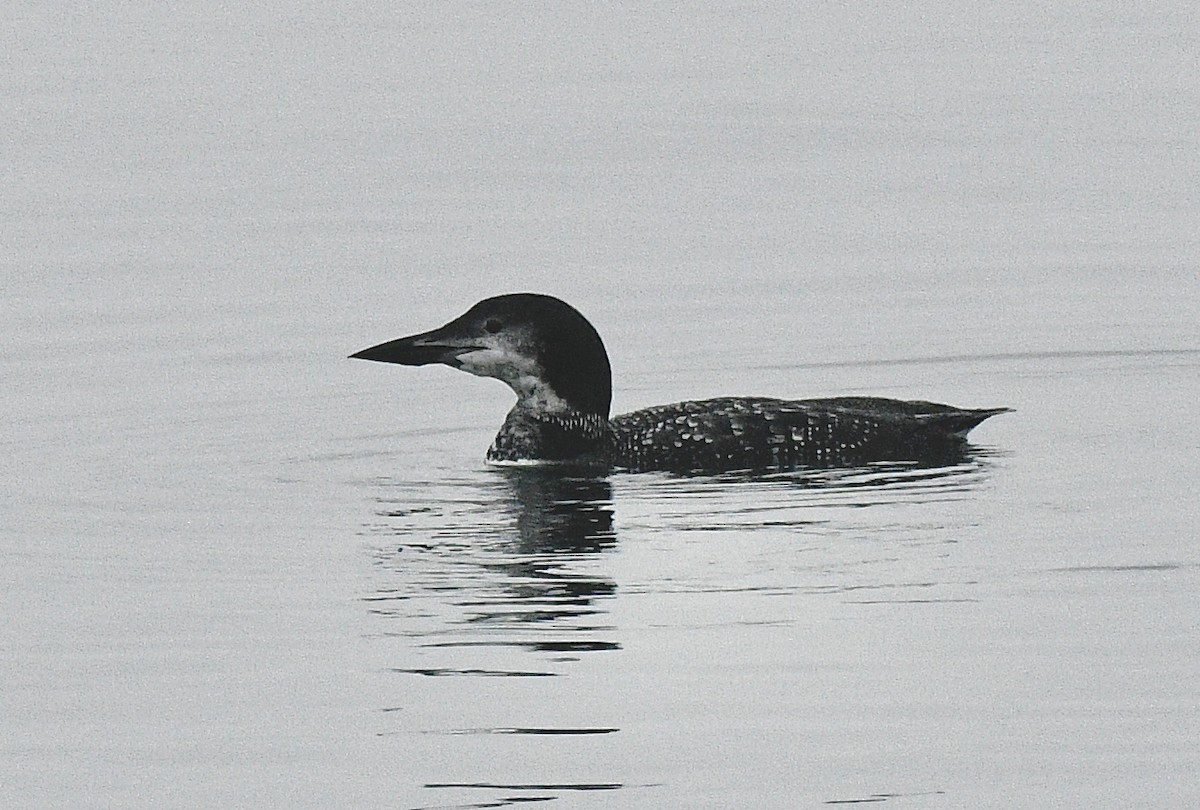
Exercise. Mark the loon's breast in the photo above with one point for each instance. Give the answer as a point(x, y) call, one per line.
point(534, 435)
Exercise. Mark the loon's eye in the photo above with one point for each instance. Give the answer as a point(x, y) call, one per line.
point(492, 325)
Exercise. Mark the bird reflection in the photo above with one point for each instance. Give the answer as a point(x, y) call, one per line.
point(514, 556)
point(557, 513)
point(503, 560)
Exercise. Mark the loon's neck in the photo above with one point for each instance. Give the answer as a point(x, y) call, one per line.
point(560, 435)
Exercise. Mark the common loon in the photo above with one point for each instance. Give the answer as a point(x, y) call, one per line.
point(555, 362)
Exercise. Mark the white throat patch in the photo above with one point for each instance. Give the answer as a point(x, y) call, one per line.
point(523, 375)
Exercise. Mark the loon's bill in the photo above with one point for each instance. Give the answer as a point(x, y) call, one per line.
point(555, 362)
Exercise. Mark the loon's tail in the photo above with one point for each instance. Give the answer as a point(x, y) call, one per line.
point(933, 419)
point(957, 422)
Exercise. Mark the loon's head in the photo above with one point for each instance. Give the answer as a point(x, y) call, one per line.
point(542, 347)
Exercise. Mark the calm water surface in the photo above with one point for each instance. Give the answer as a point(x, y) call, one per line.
point(240, 570)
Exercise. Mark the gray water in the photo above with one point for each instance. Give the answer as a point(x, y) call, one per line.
point(240, 570)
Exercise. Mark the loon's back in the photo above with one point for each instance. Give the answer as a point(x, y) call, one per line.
point(764, 433)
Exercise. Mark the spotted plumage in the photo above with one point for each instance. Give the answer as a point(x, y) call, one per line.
point(555, 362)
point(763, 433)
